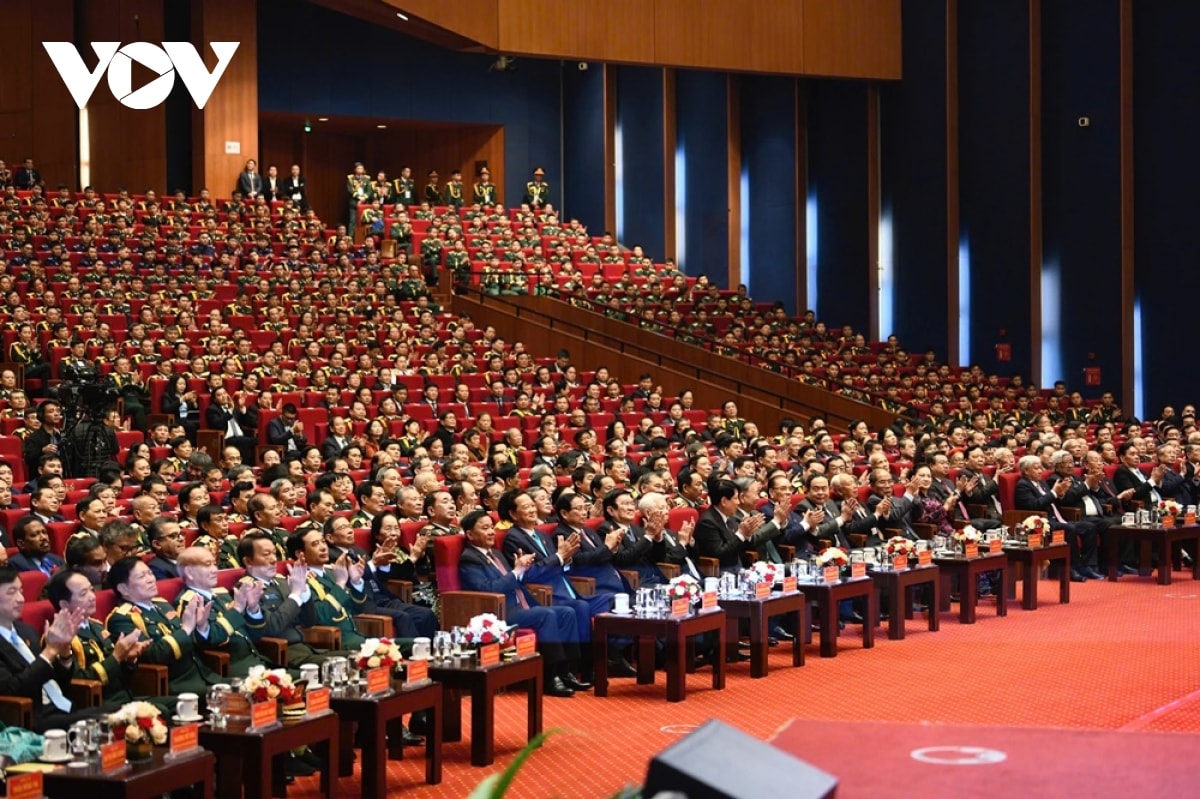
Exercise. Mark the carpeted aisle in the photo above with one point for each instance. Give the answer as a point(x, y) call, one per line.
point(1118, 656)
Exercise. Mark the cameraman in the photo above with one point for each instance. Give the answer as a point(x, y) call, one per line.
point(95, 443)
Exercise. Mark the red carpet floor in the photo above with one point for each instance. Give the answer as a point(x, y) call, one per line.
point(1121, 656)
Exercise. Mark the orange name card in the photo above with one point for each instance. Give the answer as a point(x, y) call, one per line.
point(789, 585)
point(417, 671)
point(1057, 537)
point(857, 570)
point(762, 590)
point(263, 714)
point(899, 562)
point(489, 654)
point(972, 550)
point(680, 608)
point(112, 757)
point(708, 600)
point(317, 700)
point(29, 786)
point(994, 545)
point(924, 557)
point(830, 575)
point(185, 738)
point(526, 644)
point(1189, 519)
point(379, 680)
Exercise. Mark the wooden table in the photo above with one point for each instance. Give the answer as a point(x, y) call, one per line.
point(967, 570)
point(759, 612)
point(646, 631)
point(247, 757)
point(1162, 539)
point(148, 780)
point(381, 731)
point(1031, 560)
point(465, 675)
point(828, 595)
point(899, 584)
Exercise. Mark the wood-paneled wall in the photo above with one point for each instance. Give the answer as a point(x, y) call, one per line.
point(842, 38)
point(231, 114)
point(37, 115)
point(326, 157)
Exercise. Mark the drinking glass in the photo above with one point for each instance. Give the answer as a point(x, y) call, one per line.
point(216, 705)
point(441, 644)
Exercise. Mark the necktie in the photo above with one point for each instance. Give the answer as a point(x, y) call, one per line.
point(1053, 506)
point(499, 564)
point(629, 534)
point(46, 567)
point(50, 691)
point(537, 542)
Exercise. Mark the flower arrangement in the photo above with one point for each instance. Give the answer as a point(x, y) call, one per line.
point(832, 556)
point(766, 572)
point(1034, 525)
point(487, 628)
point(262, 685)
point(377, 652)
point(137, 722)
point(1169, 507)
point(685, 587)
point(968, 535)
point(899, 546)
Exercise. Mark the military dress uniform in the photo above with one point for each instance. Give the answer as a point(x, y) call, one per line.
point(537, 193)
point(485, 193)
point(454, 194)
point(227, 632)
point(334, 606)
point(405, 191)
point(358, 187)
point(170, 646)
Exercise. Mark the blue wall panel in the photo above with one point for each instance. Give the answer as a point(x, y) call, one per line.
point(913, 178)
point(769, 161)
point(1081, 184)
point(994, 177)
point(639, 116)
point(702, 136)
point(353, 68)
point(583, 146)
point(1167, 161)
point(837, 175)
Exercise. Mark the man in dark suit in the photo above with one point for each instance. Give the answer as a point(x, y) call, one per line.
point(31, 538)
point(482, 568)
point(272, 185)
point(635, 549)
point(338, 439)
point(899, 512)
point(942, 488)
point(551, 559)
point(166, 541)
point(821, 518)
point(30, 667)
point(286, 431)
point(718, 533)
point(986, 491)
point(233, 420)
point(1032, 494)
point(1099, 504)
point(295, 188)
point(46, 439)
point(250, 182)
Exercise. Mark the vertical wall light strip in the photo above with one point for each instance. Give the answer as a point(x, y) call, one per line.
point(680, 207)
point(1139, 393)
point(1051, 321)
point(619, 161)
point(85, 149)
point(887, 267)
point(812, 251)
point(964, 300)
point(744, 223)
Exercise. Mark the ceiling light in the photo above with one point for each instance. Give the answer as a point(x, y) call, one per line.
point(322, 119)
point(381, 127)
point(402, 16)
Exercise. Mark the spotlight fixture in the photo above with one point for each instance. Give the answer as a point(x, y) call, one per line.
point(403, 17)
point(503, 63)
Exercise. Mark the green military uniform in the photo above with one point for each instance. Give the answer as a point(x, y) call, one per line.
point(537, 193)
point(432, 195)
point(334, 606)
point(454, 194)
point(170, 646)
point(405, 191)
point(227, 632)
point(485, 193)
point(281, 619)
point(93, 650)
